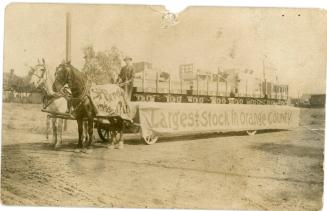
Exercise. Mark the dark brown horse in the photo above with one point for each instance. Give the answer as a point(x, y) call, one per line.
point(83, 107)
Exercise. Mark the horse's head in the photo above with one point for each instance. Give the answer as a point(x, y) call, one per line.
point(37, 74)
point(61, 76)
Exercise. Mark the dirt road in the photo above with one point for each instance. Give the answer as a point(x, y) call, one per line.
point(275, 170)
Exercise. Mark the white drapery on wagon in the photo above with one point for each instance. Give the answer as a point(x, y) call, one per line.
point(161, 119)
point(111, 100)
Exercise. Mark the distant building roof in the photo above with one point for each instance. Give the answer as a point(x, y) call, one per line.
point(141, 66)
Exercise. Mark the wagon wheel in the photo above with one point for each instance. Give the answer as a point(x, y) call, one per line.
point(251, 132)
point(151, 139)
point(104, 134)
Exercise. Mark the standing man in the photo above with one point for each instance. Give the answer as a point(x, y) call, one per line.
point(126, 77)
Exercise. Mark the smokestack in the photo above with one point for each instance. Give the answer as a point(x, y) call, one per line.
point(68, 37)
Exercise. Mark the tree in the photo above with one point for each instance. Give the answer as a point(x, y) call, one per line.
point(164, 76)
point(103, 66)
point(223, 76)
point(18, 83)
point(91, 67)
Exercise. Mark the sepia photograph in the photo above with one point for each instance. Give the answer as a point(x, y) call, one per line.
point(134, 106)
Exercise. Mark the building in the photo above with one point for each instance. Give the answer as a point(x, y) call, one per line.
point(304, 100)
point(187, 72)
point(317, 100)
point(311, 100)
point(150, 79)
point(140, 67)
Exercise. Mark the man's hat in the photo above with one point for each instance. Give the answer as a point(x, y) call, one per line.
point(128, 58)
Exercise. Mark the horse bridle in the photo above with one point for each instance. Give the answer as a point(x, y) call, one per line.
point(43, 68)
point(40, 77)
point(45, 100)
point(82, 97)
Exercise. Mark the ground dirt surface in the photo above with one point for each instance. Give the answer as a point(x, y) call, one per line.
point(272, 170)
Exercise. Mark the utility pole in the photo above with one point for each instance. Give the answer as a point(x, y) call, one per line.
point(181, 85)
point(169, 87)
point(169, 84)
point(264, 78)
point(246, 88)
point(157, 77)
point(217, 94)
point(68, 37)
point(143, 80)
point(207, 77)
point(197, 84)
point(298, 97)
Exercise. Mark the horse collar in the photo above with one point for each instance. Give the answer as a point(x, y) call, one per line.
point(69, 77)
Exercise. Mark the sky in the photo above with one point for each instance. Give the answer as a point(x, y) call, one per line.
point(289, 42)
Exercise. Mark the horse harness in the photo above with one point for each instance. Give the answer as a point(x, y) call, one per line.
point(48, 99)
point(81, 99)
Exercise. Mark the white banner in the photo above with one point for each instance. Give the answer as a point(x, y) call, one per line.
point(180, 118)
point(110, 100)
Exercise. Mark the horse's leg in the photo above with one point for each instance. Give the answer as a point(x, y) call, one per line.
point(47, 127)
point(54, 131)
point(113, 139)
point(85, 135)
point(80, 134)
point(121, 138)
point(90, 130)
point(65, 124)
point(59, 133)
point(61, 129)
point(90, 116)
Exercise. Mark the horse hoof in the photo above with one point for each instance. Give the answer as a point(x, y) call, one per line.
point(77, 150)
point(111, 147)
point(120, 146)
point(84, 150)
point(56, 146)
point(88, 151)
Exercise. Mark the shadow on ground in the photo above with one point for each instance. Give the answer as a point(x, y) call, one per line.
point(213, 135)
point(290, 150)
point(71, 143)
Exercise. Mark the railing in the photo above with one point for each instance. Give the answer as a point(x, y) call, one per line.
point(204, 89)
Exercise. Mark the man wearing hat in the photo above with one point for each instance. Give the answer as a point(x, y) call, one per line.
point(126, 77)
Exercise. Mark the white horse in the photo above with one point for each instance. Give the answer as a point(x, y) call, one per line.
point(42, 79)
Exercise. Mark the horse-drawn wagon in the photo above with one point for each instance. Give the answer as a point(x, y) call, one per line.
point(112, 113)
